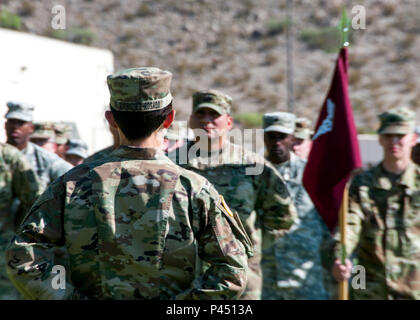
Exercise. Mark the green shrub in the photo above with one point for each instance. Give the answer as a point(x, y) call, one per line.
point(10, 20)
point(275, 27)
point(144, 10)
point(249, 120)
point(76, 35)
point(327, 39)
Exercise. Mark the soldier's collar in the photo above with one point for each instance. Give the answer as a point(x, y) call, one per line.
point(293, 158)
point(29, 148)
point(138, 153)
point(203, 154)
point(407, 178)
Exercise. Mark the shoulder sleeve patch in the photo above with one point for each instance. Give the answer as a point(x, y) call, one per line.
point(236, 226)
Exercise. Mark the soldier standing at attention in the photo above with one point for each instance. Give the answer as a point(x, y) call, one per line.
point(62, 136)
point(175, 136)
point(261, 200)
point(17, 181)
point(136, 225)
point(292, 268)
point(44, 136)
point(302, 142)
point(77, 151)
point(383, 223)
point(19, 127)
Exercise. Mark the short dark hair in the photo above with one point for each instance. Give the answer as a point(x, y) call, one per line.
point(140, 125)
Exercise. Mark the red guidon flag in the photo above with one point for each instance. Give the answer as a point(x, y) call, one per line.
point(335, 149)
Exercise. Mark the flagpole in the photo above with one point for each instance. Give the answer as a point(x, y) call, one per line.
point(289, 56)
point(343, 28)
point(343, 293)
point(344, 285)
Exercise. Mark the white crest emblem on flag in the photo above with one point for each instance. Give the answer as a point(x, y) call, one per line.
point(327, 124)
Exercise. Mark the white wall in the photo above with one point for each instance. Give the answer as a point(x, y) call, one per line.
point(370, 149)
point(65, 82)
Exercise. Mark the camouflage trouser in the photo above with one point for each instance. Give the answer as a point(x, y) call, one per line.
point(254, 285)
point(7, 289)
point(293, 275)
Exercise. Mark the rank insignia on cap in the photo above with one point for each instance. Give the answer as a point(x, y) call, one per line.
point(225, 206)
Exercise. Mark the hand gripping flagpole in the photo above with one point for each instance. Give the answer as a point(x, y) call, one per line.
point(343, 293)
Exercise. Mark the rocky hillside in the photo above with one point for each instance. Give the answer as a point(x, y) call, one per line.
point(238, 46)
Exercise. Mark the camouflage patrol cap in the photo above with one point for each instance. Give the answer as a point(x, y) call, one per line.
point(140, 89)
point(213, 99)
point(43, 130)
point(78, 147)
point(177, 131)
point(283, 122)
point(20, 110)
point(303, 128)
point(62, 132)
point(397, 121)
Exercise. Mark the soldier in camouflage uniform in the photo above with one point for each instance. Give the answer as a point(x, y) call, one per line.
point(302, 142)
point(77, 151)
point(261, 200)
point(175, 136)
point(44, 136)
point(19, 127)
point(292, 268)
point(383, 223)
point(17, 181)
point(135, 224)
point(62, 136)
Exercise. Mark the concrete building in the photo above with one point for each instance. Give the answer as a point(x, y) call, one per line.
point(65, 81)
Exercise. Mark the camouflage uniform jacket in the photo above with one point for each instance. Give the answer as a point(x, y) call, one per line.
point(261, 201)
point(47, 165)
point(17, 180)
point(135, 226)
point(292, 267)
point(383, 229)
point(100, 154)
